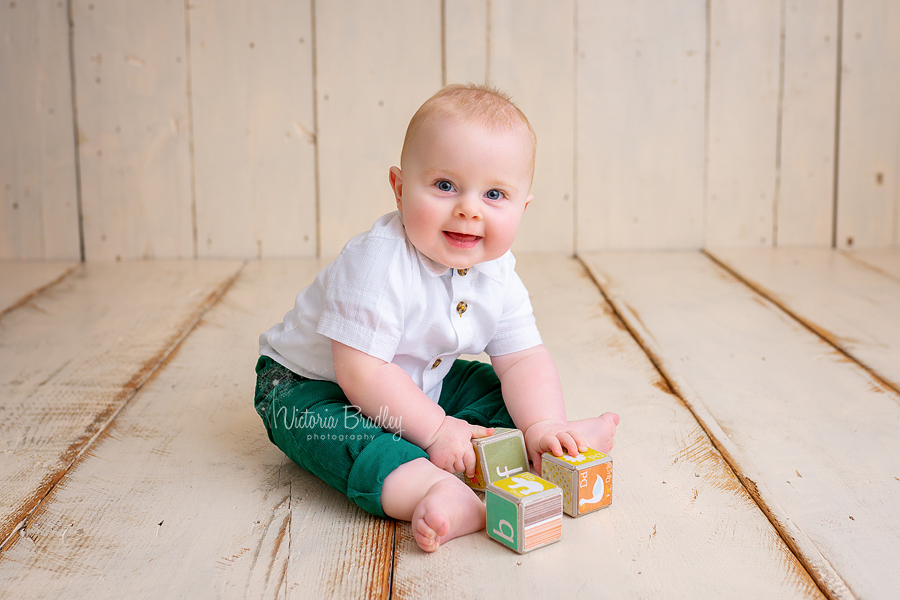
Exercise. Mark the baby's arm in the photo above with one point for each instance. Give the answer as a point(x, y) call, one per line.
point(533, 396)
point(374, 385)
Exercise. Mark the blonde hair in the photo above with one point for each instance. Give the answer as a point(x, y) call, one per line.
point(480, 104)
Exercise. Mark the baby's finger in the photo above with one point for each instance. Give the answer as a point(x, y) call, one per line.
point(580, 440)
point(568, 442)
point(469, 461)
point(536, 462)
point(479, 432)
point(551, 444)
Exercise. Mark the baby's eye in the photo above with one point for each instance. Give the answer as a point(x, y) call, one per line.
point(494, 195)
point(444, 185)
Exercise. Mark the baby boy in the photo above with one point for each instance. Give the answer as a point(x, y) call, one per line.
point(361, 383)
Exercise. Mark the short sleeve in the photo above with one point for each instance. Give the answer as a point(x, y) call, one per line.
point(365, 301)
point(517, 329)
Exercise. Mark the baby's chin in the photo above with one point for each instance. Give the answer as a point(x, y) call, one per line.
point(462, 259)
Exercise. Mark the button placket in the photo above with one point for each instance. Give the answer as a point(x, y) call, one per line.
point(462, 306)
point(462, 313)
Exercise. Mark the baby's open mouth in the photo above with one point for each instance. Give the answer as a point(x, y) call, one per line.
point(462, 238)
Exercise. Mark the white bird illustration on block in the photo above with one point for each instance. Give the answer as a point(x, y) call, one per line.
point(525, 486)
point(599, 489)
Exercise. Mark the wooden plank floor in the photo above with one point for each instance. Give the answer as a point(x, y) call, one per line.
point(75, 354)
point(855, 308)
point(755, 458)
point(812, 433)
point(22, 279)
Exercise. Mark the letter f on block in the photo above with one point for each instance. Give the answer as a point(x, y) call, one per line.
point(507, 471)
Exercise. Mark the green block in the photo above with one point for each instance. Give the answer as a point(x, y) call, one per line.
point(502, 520)
point(524, 512)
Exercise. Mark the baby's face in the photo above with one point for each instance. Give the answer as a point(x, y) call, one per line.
point(463, 190)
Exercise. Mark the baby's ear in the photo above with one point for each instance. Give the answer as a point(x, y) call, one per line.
point(527, 202)
point(396, 178)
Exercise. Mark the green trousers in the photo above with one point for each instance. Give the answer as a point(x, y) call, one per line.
point(315, 425)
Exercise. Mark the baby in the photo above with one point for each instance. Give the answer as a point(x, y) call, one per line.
point(361, 384)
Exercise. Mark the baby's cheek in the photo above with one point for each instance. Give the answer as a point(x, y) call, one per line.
point(502, 238)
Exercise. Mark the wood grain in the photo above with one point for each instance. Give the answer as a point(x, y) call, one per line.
point(465, 41)
point(75, 355)
point(868, 208)
point(744, 87)
point(808, 431)
point(240, 129)
point(375, 65)
point(681, 525)
point(184, 494)
point(885, 260)
point(854, 307)
point(133, 129)
point(526, 70)
point(805, 200)
point(254, 128)
point(24, 279)
point(38, 191)
point(641, 70)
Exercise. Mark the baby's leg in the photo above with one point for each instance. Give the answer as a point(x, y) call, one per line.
point(313, 423)
point(437, 504)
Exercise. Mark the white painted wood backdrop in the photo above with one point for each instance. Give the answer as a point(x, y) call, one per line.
point(233, 128)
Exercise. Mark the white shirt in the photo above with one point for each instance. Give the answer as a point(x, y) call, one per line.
point(384, 298)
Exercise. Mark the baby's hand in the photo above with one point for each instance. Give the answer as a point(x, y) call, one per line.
point(451, 448)
point(552, 436)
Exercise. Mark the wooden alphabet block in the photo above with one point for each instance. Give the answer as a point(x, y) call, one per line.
point(586, 480)
point(524, 512)
point(498, 456)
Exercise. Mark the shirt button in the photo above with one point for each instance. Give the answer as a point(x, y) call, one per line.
point(461, 307)
point(462, 272)
point(436, 364)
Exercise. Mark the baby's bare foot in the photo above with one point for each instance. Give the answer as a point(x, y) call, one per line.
point(449, 509)
point(599, 432)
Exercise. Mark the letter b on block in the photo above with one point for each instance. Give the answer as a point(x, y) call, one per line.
point(524, 512)
point(502, 521)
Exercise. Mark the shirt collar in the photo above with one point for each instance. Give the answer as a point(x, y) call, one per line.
point(432, 267)
point(490, 268)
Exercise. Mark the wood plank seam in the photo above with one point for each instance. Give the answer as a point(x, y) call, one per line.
point(395, 544)
point(779, 125)
point(284, 532)
point(443, 42)
point(76, 154)
point(817, 566)
point(34, 294)
point(315, 116)
point(707, 74)
point(839, 42)
point(871, 267)
point(189, 92)
point(826, 336)
point(104, 419)
point(575, 130)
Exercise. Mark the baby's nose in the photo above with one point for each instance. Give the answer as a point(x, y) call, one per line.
point(468, 207)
